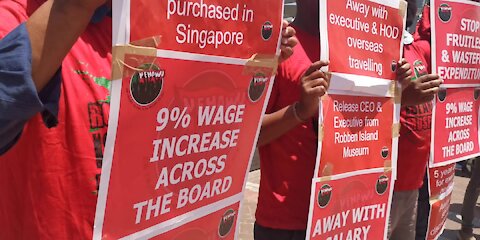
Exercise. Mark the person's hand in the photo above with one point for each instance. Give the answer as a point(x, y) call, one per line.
point(404, 71)
point(419, 90)
point(314, 85)
point(288, 41)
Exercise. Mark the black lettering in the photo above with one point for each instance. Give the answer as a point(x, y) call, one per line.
point(96, 116)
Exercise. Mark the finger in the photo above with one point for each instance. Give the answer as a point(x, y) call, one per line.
point(430, 84)
point(403, 68)
point(288, 32)
point(290, 42)
point(286, 51)
point(431, 92)
point(402, 61)
point(285, 24)
point(316, 83)
point(428, 77)
point(315, 75)
point(406, 76)
point(317, 91)
point(316, 66)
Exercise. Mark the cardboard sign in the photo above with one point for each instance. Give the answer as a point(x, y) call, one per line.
point(357, 134)
point(455, 126)
point(440, 185)
point(358, 37)
point(358, 119)
point(235, 29)
point(185, 116)
point(456, 42)
point(350, 206)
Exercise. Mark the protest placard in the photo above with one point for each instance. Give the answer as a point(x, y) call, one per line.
point(455, 58)
point(358, 120)
point(440, 185)
point(363, 41)
point(350, 206)
point(455, 126)
point(357, 132)
point(456, 42)
point(190, 83)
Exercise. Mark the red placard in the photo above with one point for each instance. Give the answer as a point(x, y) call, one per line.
point(456, 42)
point(219, 225)
point(361, 36)
point(440, 183)
point(357, 134)
point(181, 139)
point(235, 29)
point(455, 126)
point(183, 125)
point(440, 180)
point(350, 206)
point(437, 217)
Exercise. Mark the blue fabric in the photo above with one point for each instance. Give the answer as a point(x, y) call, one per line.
point(101, 13)
point(19, 100)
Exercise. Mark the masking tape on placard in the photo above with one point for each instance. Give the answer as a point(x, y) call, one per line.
point(325, 179)
point(320, 133)
point(398, 94)
point(261, 62)
point(327, 172)
point(387, 164)
point(119, 53)
point(395, 130)
point(402, 6)
point(151, 42)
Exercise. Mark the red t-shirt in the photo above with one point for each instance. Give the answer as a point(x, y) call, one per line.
point(287, 163)
point(49, 179)
point(416, 121)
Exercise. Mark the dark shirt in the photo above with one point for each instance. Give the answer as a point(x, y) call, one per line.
point(19, 100)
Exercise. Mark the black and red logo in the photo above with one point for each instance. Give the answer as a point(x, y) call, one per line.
point(444, 12)
point(394, 66)
point(257, 87)
point(382, 185)
point(324, 195)
point(226, 223)
point(146, 85)
point(267, 30)
point(442, 95)
point(385, 151)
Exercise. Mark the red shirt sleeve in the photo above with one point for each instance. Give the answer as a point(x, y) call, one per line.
point(12, 14)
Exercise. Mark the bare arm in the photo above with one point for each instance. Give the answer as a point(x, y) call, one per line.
point(53, 29)
point(314, 85)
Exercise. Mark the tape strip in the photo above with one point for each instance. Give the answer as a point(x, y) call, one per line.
point(119, 52)
point(396, 130)
point(152, 42)
point(327, 172)
point(325, 179)
point(387, 164)
point(261, 63)
point(320, 132)
point(403, 6)
point(398, 94)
